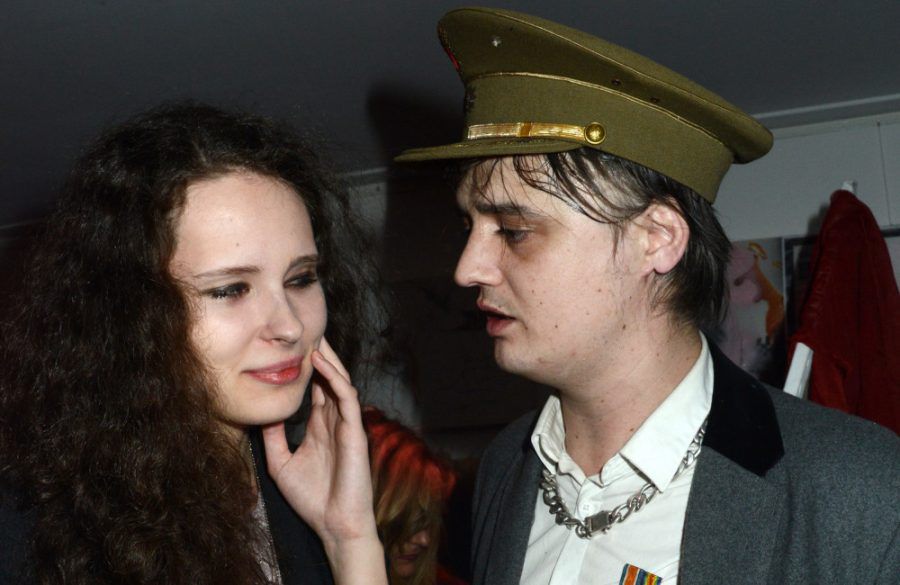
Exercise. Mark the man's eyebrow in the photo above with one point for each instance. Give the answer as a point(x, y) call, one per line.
point(489, 208)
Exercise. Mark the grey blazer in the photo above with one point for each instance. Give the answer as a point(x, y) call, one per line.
point(784, 492)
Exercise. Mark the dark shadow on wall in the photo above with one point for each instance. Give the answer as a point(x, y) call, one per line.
point(449, 357)
point(403, 118)
point(27, 205)
point(15, 244)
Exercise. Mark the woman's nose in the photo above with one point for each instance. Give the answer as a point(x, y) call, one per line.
point(421, 538)
point(283, 322)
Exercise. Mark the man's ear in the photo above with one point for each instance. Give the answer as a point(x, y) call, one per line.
point(666, 235)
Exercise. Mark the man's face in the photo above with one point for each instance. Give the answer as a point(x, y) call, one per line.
point(560, 298)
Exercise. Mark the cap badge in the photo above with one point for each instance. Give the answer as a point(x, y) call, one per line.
point(594, 133)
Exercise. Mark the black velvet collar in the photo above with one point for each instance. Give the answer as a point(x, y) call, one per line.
point(742, 423)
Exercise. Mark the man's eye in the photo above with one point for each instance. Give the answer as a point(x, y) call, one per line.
point(512, 236)
point(303, 280)
point(230, 291)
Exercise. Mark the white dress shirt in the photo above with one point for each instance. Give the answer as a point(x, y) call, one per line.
point(650, 538)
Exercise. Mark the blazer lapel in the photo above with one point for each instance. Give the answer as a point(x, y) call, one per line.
point(737, 501)
point(732, 523)
point(515, 515)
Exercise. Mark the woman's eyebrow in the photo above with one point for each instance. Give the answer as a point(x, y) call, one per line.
point(249, 269)
point(302, 260)
point(228, 271)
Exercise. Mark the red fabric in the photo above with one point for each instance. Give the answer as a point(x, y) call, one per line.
point(851, 317)
point(445, 577)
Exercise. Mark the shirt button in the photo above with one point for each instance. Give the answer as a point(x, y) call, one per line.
point(587, 508)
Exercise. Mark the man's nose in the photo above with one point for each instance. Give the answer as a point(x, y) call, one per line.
point(477, 265)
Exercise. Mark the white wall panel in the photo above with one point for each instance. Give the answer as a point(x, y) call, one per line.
point(890, 141)
point(786, 192)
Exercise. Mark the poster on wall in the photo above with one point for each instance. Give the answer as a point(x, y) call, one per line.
point(752, 333)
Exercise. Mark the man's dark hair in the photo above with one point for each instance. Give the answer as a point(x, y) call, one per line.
point(695, 290)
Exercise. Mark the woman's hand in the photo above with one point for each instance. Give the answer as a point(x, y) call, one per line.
point(327, 480)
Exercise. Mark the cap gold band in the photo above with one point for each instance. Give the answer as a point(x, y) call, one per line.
point(593, 133)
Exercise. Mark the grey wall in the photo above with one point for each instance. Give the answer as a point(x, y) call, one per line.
point(783, 193)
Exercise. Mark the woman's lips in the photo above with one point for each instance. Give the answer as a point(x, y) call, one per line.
point(410, 558)
point(279, 374)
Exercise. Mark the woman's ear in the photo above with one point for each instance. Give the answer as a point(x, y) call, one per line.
point(666, 235)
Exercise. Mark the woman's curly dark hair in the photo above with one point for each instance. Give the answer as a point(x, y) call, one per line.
point(107, 428)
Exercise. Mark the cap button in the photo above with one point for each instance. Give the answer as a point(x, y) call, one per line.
point(594, 133)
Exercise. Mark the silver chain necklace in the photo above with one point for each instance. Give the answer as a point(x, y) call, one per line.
point(605, 519)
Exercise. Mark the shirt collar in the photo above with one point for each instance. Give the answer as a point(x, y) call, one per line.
point(549, 435)
point(658, 445)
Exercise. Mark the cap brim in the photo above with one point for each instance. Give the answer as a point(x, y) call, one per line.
point(486, 147)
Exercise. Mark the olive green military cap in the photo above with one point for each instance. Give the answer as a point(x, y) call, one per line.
point(534, 86)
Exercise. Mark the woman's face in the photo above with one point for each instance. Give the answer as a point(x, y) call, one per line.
point(405, 558)
point(245, 250)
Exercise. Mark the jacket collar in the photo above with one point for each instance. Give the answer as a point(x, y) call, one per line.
point(742, 424)
point(301, 556)
point(737, 502)
point(743, 431)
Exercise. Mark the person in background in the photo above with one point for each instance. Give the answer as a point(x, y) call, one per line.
point(172, 318)
point(411, 488)
point(587, 188)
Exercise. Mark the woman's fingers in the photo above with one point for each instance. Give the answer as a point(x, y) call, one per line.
point(318, 394)
point(339, 383)
point(332, 357)
point(277, 451)
point(342, 392)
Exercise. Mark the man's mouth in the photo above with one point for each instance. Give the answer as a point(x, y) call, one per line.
point(497, 320)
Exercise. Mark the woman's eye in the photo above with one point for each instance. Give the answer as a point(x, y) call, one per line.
point(230, 291)
point(303, 280)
